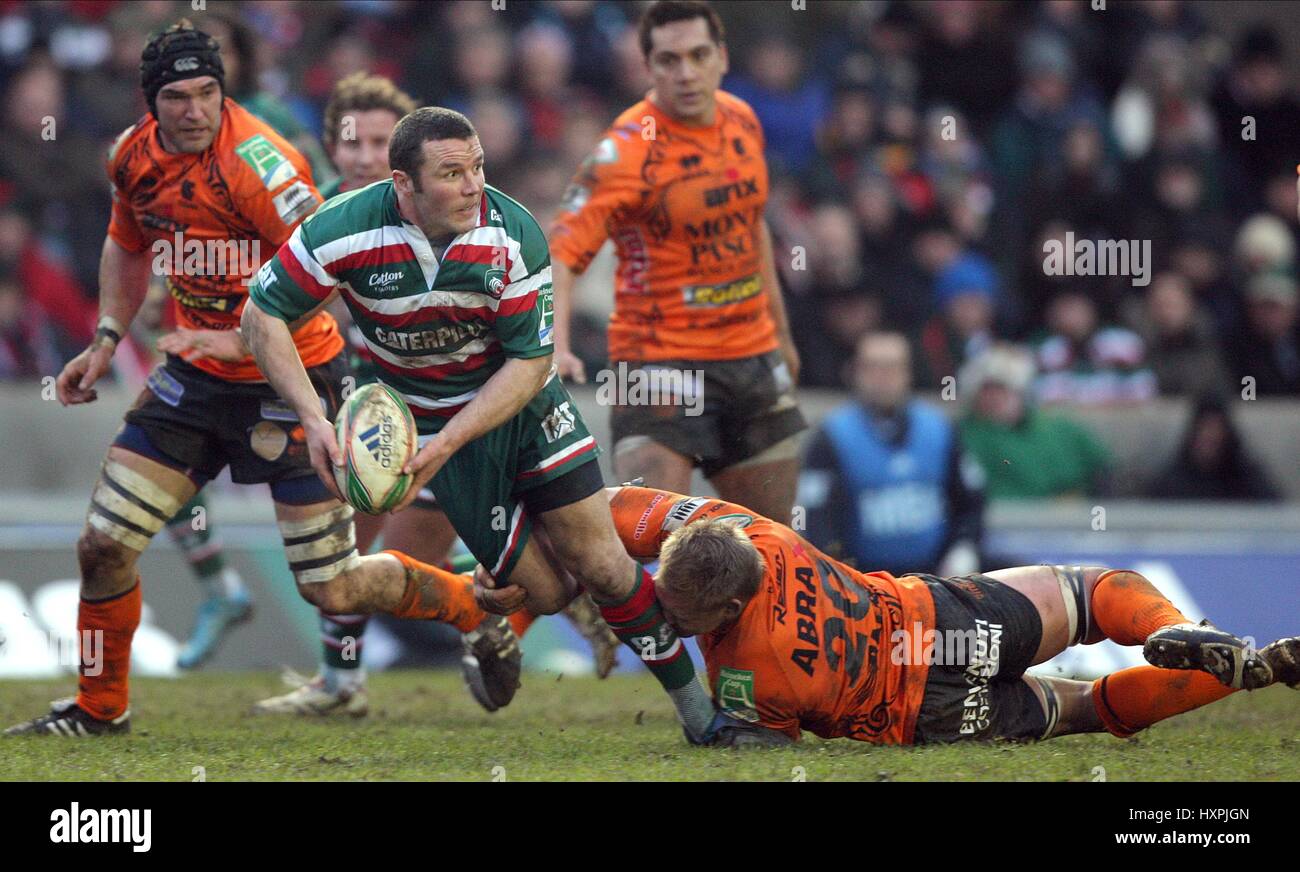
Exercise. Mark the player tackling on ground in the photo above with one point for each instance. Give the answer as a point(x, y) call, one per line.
point(201, 167)
point(679, 182)
point(449, 282)
point(795, 640)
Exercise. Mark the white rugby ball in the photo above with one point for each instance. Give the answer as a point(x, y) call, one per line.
point(376, 432)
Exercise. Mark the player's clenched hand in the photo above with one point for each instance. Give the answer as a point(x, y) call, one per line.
point(496, 600)
point(570, 367)
point(423, 466)
point(323, 448)
point(75, 383)
point(226, 345)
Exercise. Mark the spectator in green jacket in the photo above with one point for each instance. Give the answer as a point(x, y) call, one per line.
point(1026, 453)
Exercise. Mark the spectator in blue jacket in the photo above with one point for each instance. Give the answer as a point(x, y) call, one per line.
point(884, 483)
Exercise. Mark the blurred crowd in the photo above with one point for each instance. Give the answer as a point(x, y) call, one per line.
point(922, 156)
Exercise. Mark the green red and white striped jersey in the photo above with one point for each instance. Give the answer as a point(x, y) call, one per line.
point(437, 329)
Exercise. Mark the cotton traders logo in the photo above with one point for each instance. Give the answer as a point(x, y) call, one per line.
point(494, 282)
point(385, 282)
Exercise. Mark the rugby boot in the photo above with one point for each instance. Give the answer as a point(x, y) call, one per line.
point(216, 616)
point(311, 698)
point(584, 614)
point(1203, 646)
point(66, 718)
point(490, 662)
point(1283, 657)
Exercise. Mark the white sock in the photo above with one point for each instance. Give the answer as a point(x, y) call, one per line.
point(694, 707)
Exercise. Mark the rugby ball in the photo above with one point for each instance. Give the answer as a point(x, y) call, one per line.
point(376, 432)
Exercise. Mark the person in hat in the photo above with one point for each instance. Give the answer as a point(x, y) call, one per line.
point(202, 190)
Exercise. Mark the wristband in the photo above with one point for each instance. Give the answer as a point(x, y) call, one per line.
point(110, 328)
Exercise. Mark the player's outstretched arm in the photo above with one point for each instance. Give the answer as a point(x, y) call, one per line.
point(123, 283)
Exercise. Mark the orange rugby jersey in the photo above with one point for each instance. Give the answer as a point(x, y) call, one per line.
point(815, 648)
point(209, 219)
point(684, 207)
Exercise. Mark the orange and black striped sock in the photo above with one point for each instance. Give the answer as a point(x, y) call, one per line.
point(104, 631)
point(434, 594)
point(1128, 608)
point(1133, 699)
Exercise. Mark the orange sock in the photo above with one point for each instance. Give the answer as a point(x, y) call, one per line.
point(1128, 608)
point(104, 632)
point(434, 594)
point(521, 621)
point(1134, 699)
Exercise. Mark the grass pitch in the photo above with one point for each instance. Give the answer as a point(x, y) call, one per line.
point(423, 725)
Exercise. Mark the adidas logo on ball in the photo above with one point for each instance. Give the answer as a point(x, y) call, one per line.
point(379, 442)
point(376, 432)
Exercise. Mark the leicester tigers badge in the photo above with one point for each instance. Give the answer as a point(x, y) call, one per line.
point(494, 282)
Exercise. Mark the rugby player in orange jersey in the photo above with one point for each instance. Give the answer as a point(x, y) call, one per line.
point(795, 640)
point(703, 366)
point(202, 189)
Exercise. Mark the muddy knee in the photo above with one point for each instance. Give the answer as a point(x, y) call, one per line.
point(322, 551)
point(102, 561)
point(332, 597)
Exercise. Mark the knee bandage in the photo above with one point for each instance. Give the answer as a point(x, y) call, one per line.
point(1051, 705)
point(322, 547)
point(1078, 608)
point(128, 507)
point(786, 449)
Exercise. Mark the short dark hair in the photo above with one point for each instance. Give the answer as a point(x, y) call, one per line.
point(667, 11)
point(428, 123)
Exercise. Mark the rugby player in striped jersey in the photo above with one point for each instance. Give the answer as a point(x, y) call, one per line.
point(200, 166)
point(449, 281)
point(359, 119)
